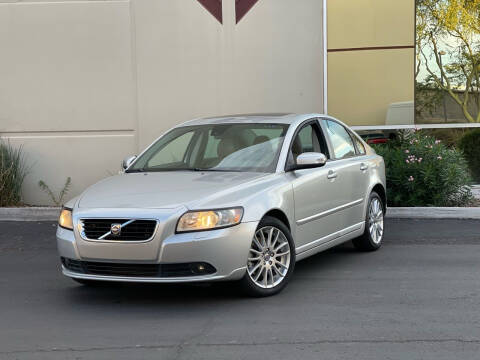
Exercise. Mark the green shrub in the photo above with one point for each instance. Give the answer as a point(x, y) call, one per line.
point(422, 171)
point(470, 145)
point(12, 173)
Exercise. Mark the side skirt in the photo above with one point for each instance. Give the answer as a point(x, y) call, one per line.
point(329, 241)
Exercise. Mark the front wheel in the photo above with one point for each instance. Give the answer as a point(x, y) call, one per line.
point(372, 237)
point(271, 259)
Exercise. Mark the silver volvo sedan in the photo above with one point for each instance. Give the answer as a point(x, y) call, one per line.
point(239, 197)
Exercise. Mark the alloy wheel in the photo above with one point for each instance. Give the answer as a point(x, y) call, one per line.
point(375, 223)
point(269, 257)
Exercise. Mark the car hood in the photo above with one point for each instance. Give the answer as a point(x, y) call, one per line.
point(166, 190)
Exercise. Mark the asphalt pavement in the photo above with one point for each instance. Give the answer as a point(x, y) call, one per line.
point(416, 298)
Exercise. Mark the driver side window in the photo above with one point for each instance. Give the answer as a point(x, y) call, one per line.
point(308, 139)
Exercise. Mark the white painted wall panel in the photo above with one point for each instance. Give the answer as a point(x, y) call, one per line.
point(67, 90)
point(65, 66)
point(190, 65)
point(277, 58)
point(85, 83)
point(178, 52)
point(86, 158)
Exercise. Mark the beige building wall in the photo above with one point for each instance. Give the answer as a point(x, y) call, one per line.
point(67, 90)
point(85, 83)
point(370, 58)
point(189, 65)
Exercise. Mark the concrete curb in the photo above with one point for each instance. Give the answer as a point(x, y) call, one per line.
point(51, 213)
point(433, 212)
point(29, 214)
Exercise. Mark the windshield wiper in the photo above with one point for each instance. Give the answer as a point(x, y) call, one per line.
point(213, 169)
point(170, 169)
point(192, 169)
point(180, 169)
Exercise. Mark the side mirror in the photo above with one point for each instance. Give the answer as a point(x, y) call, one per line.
point(128, 161)
point(310, 160)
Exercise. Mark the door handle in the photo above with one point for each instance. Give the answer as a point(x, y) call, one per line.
point(363, 167)
point(331, 175)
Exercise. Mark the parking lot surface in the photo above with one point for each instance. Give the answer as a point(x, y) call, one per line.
point(416, 298)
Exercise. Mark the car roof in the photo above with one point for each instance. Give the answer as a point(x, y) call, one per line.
point(267, 118)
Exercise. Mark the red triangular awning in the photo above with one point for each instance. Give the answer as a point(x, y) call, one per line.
point(242, 7)
point(214, 7)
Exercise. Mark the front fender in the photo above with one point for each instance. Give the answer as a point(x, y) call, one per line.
point(278, 197)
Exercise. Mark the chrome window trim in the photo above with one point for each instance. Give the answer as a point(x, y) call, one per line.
point(84, 237)
point(328, 212)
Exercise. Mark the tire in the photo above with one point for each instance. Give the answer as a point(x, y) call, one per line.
point(372, 237)
point(277, 265)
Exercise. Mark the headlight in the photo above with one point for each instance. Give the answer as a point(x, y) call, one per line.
point(209, 219)
point(65, 219)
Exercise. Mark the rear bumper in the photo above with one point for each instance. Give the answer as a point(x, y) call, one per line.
point(225, 249)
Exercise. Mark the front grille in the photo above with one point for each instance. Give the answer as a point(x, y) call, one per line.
point(138, 230)
point(138, 270)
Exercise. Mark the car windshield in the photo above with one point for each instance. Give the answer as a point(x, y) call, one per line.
point(215, 147)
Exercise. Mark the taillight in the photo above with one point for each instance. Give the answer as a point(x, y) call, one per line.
point(377, 141)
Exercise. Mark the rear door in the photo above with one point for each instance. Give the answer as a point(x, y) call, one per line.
point(350, 170)
point(362, 172)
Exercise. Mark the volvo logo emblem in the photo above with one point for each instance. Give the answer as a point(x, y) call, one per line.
point(116, 229)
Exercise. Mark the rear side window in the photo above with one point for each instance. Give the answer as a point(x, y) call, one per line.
point(358, 144)
point(340, 139)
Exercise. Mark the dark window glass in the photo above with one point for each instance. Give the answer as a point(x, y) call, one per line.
point(306, 140)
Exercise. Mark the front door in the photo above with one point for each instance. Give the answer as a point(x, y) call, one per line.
point(316, 191)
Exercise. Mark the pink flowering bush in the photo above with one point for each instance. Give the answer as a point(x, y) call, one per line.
point(422, 171)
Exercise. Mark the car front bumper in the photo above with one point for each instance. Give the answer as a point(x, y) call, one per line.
point(225, 249)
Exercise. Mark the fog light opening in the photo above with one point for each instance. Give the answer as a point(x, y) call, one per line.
point(202, 268)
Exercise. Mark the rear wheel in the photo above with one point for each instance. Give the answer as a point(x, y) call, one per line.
point(271, 259)
point(372, 237)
